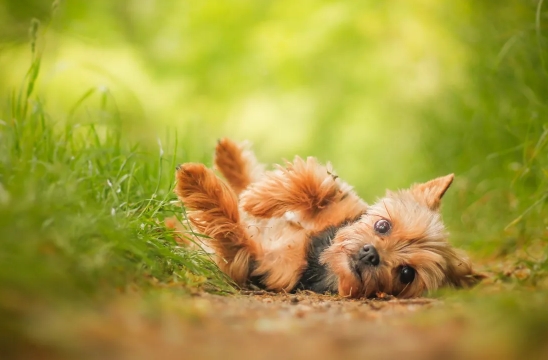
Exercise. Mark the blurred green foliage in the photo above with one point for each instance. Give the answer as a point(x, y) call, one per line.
point(390, 92)
point(338, 80)
point(493, 130)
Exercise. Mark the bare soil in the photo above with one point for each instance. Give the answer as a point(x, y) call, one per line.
point(253, 325)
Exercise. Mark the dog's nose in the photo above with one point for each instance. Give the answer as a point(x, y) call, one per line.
point(368, 255)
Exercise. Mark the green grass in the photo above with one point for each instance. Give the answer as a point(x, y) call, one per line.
point(82, 209)
point(492, 131)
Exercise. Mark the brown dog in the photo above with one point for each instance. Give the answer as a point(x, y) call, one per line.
point(301, 227)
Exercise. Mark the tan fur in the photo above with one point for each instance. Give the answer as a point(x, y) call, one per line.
point(306, 187)
point(284, 244)
point(217, 216)
point(431, 192)
point(237, 164)
point(418, 239)
point(266, 232)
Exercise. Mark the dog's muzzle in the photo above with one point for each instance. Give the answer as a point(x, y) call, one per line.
point(368, 256)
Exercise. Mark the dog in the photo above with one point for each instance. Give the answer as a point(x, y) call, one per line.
point(300, 227)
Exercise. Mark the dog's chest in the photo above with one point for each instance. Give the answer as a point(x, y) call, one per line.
point(316, 276)
point(290, 258)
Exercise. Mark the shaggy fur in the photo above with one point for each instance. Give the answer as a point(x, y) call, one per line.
point(301, 227)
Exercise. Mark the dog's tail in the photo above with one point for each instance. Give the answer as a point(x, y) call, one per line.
point(237, 163)
point(213, 210)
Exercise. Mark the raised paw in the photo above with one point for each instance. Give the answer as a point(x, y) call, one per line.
point(307, 188)
point(302, 185)
point(213, 211)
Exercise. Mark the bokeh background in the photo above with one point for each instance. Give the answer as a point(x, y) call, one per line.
point(390, 92)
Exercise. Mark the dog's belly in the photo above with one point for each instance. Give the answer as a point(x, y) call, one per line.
point(284, 244)
point(290, 257)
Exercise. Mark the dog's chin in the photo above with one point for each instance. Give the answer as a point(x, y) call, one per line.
point(364, 274)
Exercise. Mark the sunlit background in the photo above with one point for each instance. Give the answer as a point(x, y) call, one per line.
point(390, 92)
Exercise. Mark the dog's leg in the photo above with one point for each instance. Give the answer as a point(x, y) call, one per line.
point(213, 210)
point(307, 188)
point(237, 163)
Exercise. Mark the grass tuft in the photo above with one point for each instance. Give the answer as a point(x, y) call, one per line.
point(82, 209)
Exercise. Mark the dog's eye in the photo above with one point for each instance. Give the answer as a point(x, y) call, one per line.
point(407, 274)
point(383, 226)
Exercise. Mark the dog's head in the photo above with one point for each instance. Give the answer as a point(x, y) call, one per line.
point(399, 247)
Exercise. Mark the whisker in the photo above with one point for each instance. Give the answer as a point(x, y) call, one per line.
point(406, 285)
point(388, 212)
point(404, 204)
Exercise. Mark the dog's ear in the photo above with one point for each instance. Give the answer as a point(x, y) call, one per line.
point(431, 192)
point(460, 273)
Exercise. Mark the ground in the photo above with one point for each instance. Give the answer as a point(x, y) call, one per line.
point(254, 325)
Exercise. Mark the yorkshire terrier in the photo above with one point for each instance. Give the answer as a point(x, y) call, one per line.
point(300, 227)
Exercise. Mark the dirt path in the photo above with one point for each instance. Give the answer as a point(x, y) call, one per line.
point(258, 326)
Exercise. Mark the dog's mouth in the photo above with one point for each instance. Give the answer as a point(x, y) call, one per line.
point(366, 276)
point(356, 269)
point(359, 268)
